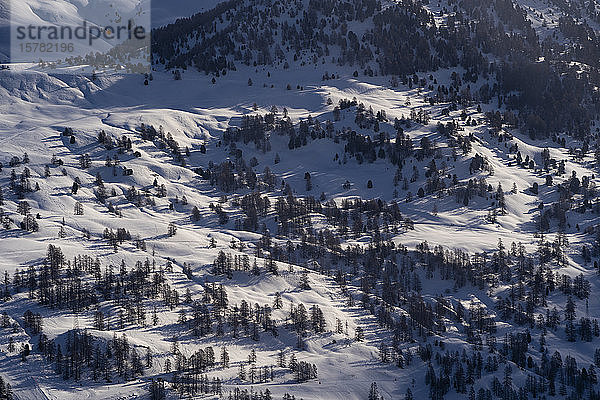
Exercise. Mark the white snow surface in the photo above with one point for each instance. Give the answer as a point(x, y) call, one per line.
point(35, 107)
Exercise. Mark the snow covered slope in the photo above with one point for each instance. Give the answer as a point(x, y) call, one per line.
point(316, 230)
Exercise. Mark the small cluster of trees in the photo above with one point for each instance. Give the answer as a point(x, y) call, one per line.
point(6, 392)
point(83, 355)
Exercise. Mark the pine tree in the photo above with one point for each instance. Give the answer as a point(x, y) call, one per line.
point(472, 395)
point(359, 335)
point(25, 351)
point(281, 359)
point(255, 269)
point(175, 346)
point(148, 358)
point(23, 208)
point(293, 364)
point(277, 302)
point(172, 229)
point(304, 285)
point(157, 389)
point(195, 214)
point(224, 357)
point(154, 317)
point(374, 392)
point(78, 208)
point(500, 199)
point(570, 309)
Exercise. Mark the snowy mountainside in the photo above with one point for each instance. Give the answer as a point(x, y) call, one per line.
point(320, 231)
point(194, 124)
point(495, 41)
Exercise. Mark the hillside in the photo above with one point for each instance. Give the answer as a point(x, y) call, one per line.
point(325, 229)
